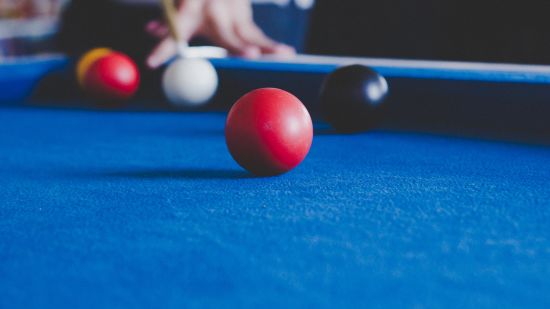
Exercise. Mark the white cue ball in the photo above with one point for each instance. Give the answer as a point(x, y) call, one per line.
point(190, 82)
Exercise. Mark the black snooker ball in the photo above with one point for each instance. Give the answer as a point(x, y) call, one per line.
point(352, 98)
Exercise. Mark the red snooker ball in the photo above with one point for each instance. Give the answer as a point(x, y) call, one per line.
point(113, 76)
point(268, 131)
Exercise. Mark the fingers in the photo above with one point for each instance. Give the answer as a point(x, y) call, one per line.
point(284, 51)
point(230, 41)
point(187, 25)
point(188, 19)
point(226, 25)
point(165, 50)
point(240, 36)
point(252, 35)
point(219, 27)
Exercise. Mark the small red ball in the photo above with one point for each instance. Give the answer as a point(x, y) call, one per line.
point(113, 76)
point(268, 131)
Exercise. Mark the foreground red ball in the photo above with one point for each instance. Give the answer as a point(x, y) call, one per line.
point(268, 131)
point(113, 76)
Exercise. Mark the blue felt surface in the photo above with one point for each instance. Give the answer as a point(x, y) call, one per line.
point(119, 209)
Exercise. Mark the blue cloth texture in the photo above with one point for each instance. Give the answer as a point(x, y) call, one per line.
point(122, 209)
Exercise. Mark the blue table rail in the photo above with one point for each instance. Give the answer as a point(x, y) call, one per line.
point(502, 101)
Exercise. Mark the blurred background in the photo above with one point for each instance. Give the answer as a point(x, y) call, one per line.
point(469, 30)
point(29, 26)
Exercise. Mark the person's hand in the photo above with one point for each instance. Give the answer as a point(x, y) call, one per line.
point(227, 23)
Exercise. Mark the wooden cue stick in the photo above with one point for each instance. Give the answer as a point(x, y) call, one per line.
point(170, 13)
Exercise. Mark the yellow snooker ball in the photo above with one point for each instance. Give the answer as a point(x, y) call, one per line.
point(86, 61)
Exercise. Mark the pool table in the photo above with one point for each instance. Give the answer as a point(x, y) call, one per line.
point(446, 204)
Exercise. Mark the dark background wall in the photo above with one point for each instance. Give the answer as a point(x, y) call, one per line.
point(475, 30)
